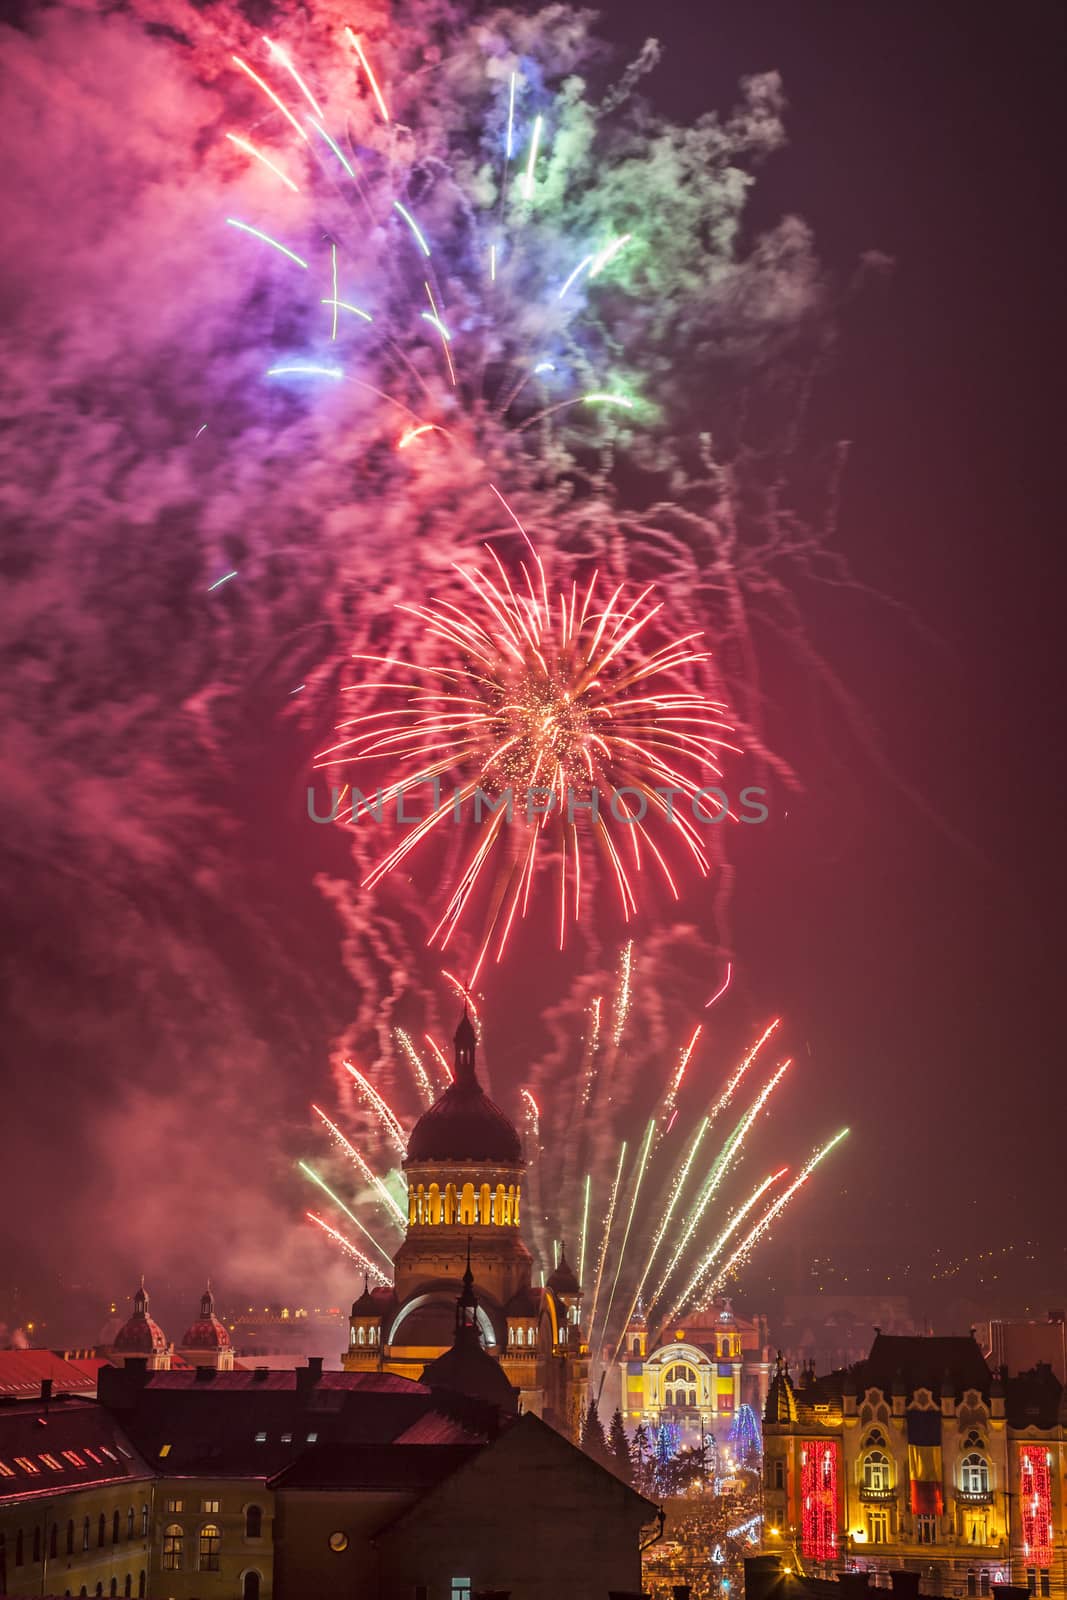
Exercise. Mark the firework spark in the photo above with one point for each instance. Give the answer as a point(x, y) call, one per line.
point(543, 713)
point(752, 1238)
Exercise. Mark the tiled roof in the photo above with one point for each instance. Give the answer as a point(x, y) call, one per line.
point(21, 1372)
point(234, 1424)
point(70, 1442)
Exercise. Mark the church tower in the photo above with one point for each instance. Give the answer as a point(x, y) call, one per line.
point(464, 1169)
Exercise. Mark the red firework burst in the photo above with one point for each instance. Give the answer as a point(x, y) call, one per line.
point(559, 723)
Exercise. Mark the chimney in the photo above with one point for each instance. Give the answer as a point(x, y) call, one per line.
point(46, 1390)
point(259, 1374)
point(307, 1377)
point(204, 1374)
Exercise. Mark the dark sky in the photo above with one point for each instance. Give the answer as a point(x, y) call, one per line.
point(904, 917)
point(923, 953)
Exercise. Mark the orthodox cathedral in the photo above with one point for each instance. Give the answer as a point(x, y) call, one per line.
point(464, 1168)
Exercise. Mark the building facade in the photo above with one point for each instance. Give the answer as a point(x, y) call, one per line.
point(919, 1459)
point(464, 1168)
point(696, 1374)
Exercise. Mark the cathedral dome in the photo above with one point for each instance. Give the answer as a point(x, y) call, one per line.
point(207, 1332)
point(464, 1124)
point(140, 1336)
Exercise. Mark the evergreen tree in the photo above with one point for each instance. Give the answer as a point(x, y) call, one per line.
point(639, 1459)
point(593, 1441)
point(620, 1447)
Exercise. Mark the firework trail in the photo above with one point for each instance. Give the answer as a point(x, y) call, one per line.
point(724, 1237)
point(426, 1088)
point(720, 1168)
point(584, 1231)
point(386, 1116)
point(624, 994)
point(369, 1177)
point(350, 1250)
point(606, 1239)
point(642, 1165)
point(752, 1238)
point(314, 1177)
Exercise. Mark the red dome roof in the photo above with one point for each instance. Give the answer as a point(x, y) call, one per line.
point(207, 1332)
point(464, 1124)
point(140, 1335)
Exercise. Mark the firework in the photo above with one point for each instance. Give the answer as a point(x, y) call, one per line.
point(350, 1250)
point(386, 1116)
point(362, 1167)
point(421, 1076)
point(752, 1238)
point(314, 1177)
point(540, 712)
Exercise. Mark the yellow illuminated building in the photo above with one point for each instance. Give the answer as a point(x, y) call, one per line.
point(464, 1169)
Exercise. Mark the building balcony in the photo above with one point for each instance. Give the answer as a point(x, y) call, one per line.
point(877, 1496)
point(974, 1497)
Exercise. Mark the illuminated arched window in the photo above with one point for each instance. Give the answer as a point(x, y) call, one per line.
point(485, 1205)
point(877, 1472)
point(210, 1544)
point(974, 1474)
point(679, 1385)
point(467, 1206)
point(361, 1334)
point(450, 1203)
point(433, 1204)
point(173, 1547)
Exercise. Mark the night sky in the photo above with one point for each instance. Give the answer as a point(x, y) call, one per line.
point(902, 913)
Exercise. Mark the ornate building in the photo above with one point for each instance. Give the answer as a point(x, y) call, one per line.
point(141, 1336)
point(697, 1373)
point(464, 1168)
point(918, 1458)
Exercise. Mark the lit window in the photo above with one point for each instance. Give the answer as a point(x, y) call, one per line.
point(124, 1452)
point(93, 1455)
point(287, 1438)
point(974, 1474)
point(878, 1527)
point(876, 1472)
point(313, 1438)
point(210, 1543)
point(27, 1466)
point(338, 1542)
point(174, 1506)
point(926, 1529)
point(74, 1458)
point(173, 1547)
point(52, 1463)
point(461, 1589)
point(212, 1507)
point(261, 1438)
point(6, 1471)
point(111, 1456)
point(164, 1451)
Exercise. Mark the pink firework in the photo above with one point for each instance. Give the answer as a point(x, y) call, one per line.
point(559, 722)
